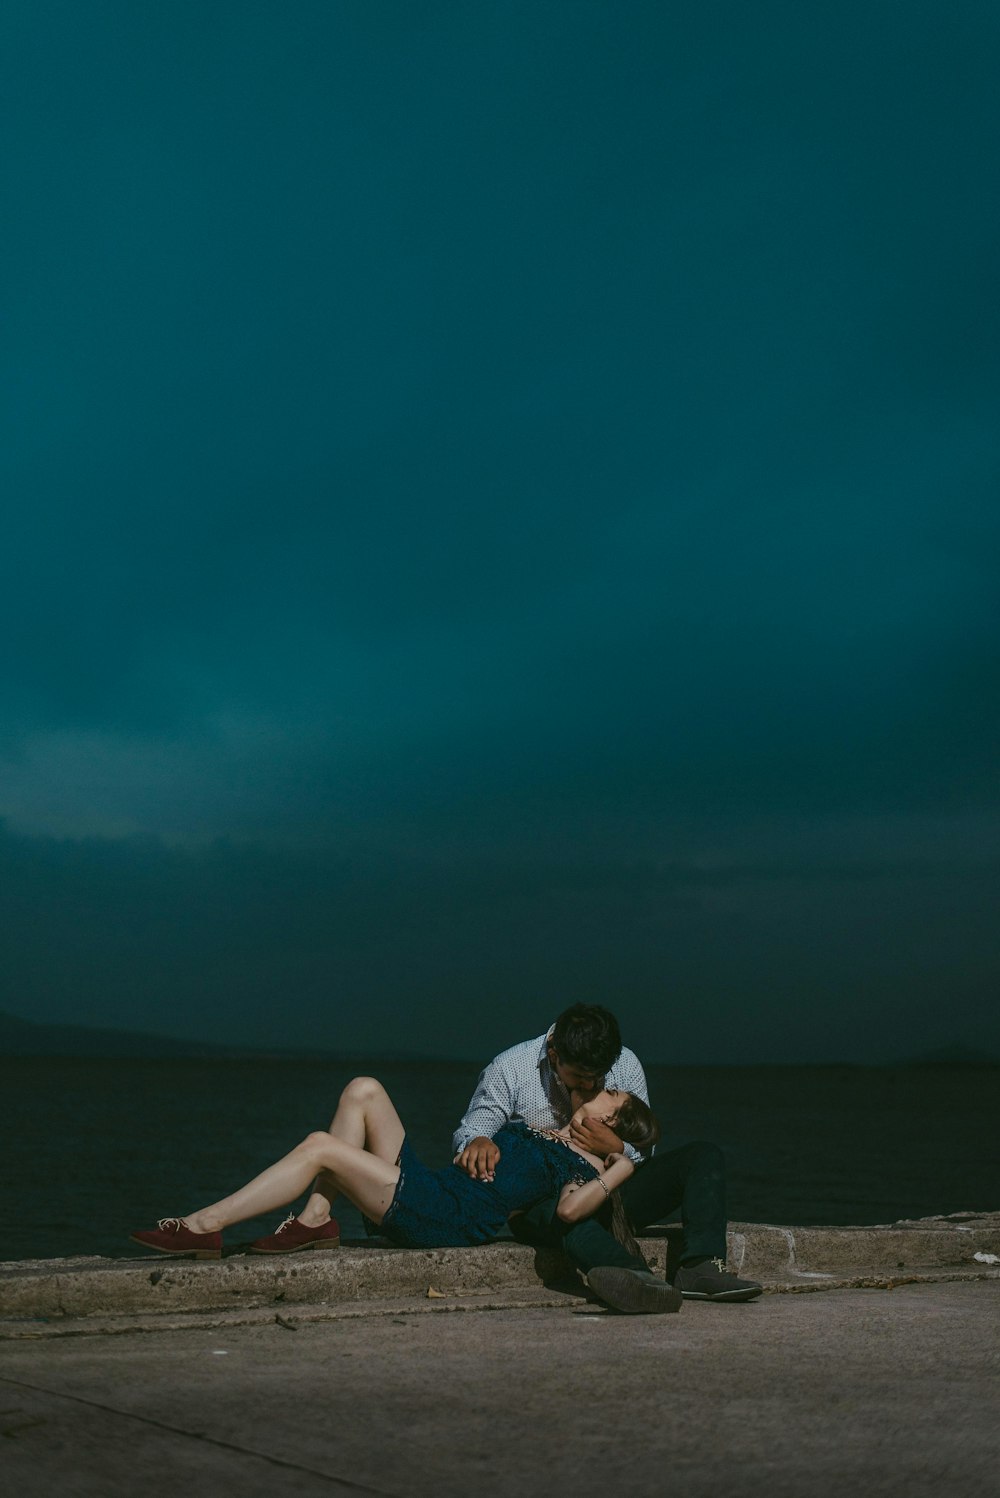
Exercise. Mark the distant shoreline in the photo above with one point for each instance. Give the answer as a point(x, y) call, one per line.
point(23, 1039)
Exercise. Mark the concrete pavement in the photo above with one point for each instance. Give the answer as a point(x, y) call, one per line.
point(883, 1392)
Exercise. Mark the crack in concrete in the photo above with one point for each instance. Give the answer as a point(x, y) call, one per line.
point(344, 1483)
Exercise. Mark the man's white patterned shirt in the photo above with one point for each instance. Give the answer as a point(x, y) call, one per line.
point(521, 1083)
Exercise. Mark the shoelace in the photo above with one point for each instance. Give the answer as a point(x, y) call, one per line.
point(289, 1219)
point(169, 1224)
point(720, 1265)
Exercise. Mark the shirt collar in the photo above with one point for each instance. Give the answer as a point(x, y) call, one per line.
point(553, 1085)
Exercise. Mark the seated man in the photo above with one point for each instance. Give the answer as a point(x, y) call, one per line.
point(543, 1082)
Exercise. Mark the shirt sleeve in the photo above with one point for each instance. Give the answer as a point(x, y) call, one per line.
point(632, 1078)
point(489, 1109)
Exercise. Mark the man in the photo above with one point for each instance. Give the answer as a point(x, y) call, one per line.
point(543, 1082)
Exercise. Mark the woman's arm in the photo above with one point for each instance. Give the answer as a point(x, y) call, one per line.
point(577, 1202)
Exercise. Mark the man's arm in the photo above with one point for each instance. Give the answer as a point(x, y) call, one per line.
point(630, 1077)
point(490, 1108)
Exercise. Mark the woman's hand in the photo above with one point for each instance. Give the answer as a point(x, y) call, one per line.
point(613, 1158)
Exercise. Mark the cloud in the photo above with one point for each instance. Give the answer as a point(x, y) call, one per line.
point(505, 526)
point(727, 955)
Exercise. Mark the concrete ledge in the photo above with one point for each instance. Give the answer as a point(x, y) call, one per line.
point(784, 1258)
point(83, 1287)
point(292, 1317)
point(758, 1249)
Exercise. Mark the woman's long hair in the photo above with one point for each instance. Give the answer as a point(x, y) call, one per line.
point(636, 1123)
point(621, 1228)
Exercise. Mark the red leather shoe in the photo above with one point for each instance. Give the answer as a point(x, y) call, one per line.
point(293, 1235)
point(171, 1236)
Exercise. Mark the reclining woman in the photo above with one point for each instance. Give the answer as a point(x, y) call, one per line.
point(366, 1157)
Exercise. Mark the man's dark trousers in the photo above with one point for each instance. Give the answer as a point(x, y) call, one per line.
point(692, 1178)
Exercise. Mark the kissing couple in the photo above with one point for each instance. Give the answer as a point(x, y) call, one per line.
point(558, 1143)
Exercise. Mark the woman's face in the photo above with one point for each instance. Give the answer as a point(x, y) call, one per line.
point(603, 1106)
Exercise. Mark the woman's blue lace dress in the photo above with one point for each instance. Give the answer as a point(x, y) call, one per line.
point(448, 1209)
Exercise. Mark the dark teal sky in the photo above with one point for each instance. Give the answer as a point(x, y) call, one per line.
point(501, 507)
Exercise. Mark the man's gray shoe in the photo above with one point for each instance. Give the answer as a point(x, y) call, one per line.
point(637, 1292)
point(711, 1280)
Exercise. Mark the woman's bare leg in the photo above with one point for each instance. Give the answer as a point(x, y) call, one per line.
point(369, 1127)
point(365, 1117)
point(365, 1179)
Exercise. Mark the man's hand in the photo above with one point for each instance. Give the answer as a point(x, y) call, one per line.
point(590, 1134)
point(479, 1159)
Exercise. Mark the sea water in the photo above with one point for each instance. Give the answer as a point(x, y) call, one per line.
point(94, 1149)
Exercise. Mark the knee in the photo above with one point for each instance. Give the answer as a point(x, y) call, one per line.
point(362, 1090)
point(319, 1146)
point(707, 1156)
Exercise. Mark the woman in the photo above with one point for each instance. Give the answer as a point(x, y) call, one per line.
point(365, 1155)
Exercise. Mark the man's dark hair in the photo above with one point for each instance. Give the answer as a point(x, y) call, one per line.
point(636, 1123)
point(587, 1036)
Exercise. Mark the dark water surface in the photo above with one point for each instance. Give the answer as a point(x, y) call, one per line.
point(94, 1149)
